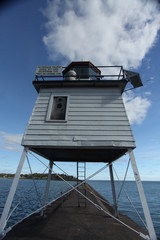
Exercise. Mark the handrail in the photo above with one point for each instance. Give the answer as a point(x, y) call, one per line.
point(118, 74)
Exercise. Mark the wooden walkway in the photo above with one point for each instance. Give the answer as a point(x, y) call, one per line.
point(66, 221)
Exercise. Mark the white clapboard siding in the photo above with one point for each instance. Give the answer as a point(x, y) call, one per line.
point(82, 123)
point(80, 114)
point(95, 101)
point(47, 137)
point(93, 97)
point(83, 118)
point(96, 105)
point(68, 132)
point(97, 109)
point(95, 117)
point(53, 127)
point(99, 114)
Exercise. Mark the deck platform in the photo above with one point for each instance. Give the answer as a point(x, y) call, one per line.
point(64, 220)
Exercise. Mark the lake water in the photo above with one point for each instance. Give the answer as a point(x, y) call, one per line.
point(28, 201)
point(152, 192)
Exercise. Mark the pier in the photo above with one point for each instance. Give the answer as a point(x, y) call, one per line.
point(64, 219)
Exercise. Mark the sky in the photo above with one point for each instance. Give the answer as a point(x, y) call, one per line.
point(43, 33)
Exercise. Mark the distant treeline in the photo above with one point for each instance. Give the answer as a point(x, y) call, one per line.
point(39, 176)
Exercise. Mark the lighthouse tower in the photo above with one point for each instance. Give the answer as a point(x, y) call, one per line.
point(79, 116)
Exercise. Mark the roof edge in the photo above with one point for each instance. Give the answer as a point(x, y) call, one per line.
point(80, 84)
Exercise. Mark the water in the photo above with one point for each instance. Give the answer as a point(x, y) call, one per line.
point(27, 197)
point(152, 192)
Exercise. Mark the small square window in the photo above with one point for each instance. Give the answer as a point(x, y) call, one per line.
point(58, 108)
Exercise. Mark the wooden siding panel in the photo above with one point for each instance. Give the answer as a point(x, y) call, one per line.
point(97, 109)
point(53, 127)
point(94, 101)
point(83, 123)
point(97, 118)
point(95, 97)
point(79, 132)
point(83, 114)
point(94, 115)
point(40, 109)
point(99, 114)
point(84, 118)
point(91, 105)
point(76, 138)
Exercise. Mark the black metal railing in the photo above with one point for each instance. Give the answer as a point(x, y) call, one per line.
point(107, 73)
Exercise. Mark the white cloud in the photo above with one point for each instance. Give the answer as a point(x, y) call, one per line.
point(136, 107)
point(104, 32)
point(11, 142)
point(148, 93)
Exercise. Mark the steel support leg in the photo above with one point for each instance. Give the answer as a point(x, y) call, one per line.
point(13, 188)
point(47, 185)
point(146, 211)
point(77, 173)
point(113, 191)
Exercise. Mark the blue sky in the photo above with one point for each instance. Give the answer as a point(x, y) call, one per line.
point(40, 32)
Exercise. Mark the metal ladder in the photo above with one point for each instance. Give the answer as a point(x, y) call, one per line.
point(81, 176)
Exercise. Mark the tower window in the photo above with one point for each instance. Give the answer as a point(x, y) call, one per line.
point(57, 108)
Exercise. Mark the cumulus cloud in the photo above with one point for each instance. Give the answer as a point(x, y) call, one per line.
point(136, 107)
point(148, 93)
point(104, 32)
point(11, 142)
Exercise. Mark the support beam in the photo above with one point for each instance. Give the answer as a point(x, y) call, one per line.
point(113, 191)
point(77, 172)
point(146, 211)
point(48, 182)
point(13, 188)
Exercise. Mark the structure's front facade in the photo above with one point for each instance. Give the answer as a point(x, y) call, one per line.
point(79, 120)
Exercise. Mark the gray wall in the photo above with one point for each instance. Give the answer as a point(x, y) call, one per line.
point(95, 117)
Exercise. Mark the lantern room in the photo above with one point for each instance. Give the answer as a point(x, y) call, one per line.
point(81, 71)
